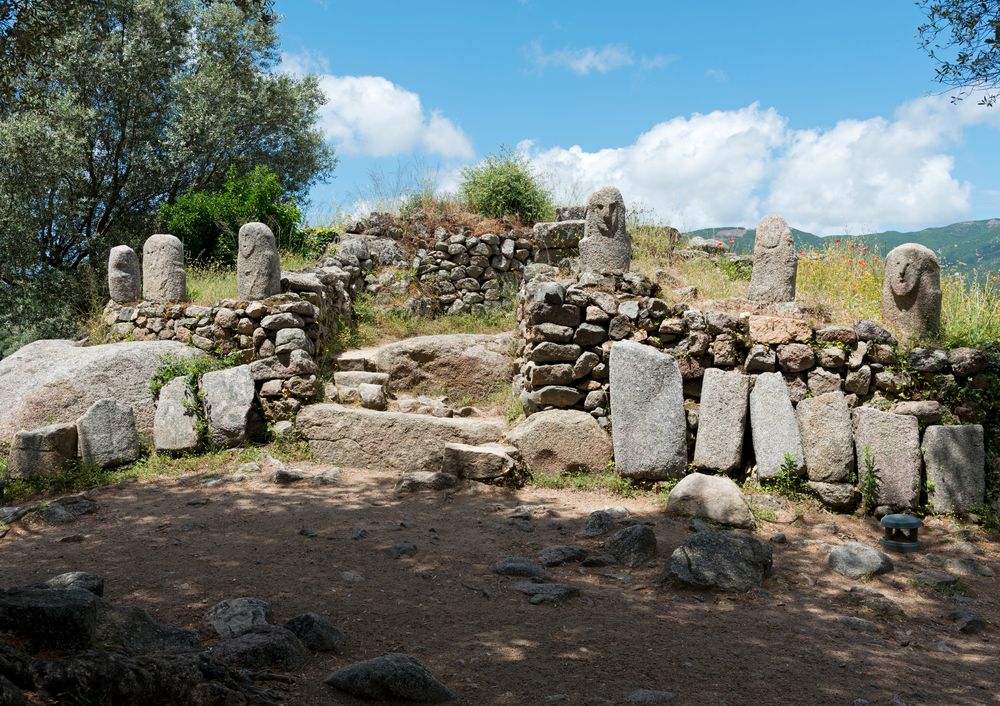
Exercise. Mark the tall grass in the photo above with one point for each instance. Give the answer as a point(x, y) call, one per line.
point(212, 282)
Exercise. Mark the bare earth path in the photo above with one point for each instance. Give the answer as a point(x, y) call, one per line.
point(176, 547)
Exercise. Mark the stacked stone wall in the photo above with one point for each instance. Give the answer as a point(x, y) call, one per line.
point(284, 337)
point(463, 272)
point(566, 329)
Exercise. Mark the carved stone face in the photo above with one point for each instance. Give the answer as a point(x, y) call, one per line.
point(606, 211)
point(903, 270)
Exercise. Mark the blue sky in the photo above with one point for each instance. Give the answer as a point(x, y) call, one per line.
point(708, 114)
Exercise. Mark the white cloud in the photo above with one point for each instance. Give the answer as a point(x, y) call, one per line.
point(716, 74)
point(702, 170)
point(372, 116)
point(733, 167)
point(582, 61)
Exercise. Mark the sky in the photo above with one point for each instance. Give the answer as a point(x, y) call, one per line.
point(702, 113)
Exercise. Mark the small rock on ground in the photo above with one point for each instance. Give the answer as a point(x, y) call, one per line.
point(391, 676)
point(547, 592)
point(234, 616)
point(317, 633)
point(401, 549)
point(554, 556)
point(856, 560)
point(521, 567)
point(263, 647)
point(632, 546)
point(598, 523)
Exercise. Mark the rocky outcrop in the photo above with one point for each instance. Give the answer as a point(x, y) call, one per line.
point(461, 363)
point(398, 441)
point(57, 381)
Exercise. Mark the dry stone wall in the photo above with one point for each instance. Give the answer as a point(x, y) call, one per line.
point(283, 337)
point(463, 272)
point(831, 392)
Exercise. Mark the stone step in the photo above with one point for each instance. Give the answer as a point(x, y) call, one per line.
point(398, 441)
point(355, 378)
point(353, 361)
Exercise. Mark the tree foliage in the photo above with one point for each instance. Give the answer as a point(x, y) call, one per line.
point(962, 37)
point(208, 222)
point(503, 184)
point(111, 108)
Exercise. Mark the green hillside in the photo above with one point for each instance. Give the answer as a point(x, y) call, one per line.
point(970, 245)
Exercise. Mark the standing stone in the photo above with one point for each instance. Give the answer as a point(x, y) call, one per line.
point(649, 427)
point(258, 267)
point(42, 452)
point(163, 275)
point(911, 295)
point(774, 262)
point(106, 434)
point(955, 459)
point(228, 396)
point(773, 426)
point(721, 420)
point(124, 280)
point(825, 427)
point(174, 428)
point(894, 441)
point(606, 245)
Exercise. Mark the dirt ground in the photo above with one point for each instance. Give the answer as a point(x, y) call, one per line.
point(176, 547)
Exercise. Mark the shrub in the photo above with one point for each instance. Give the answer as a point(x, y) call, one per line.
point(505, 185)
point(208, 222)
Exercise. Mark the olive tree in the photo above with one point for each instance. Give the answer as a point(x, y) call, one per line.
point(962, 37)
point(111, 108)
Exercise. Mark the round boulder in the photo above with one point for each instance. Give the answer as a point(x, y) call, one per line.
point(714, 498)
point(562, 441)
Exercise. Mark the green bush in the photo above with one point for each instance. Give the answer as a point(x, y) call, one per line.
point(208, 222)
point(503, 184)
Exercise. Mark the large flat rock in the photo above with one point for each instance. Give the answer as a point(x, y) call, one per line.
point(56, 381)
point(398, 441)
point(894, 443)
point(459, 364)
point(648, 424)
point(773, 425)
point(721, 420)
point(955, 457)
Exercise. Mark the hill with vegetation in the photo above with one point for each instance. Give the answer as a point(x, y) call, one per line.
point(967, 246)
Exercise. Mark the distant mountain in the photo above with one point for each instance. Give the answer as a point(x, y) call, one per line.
point(969, 245)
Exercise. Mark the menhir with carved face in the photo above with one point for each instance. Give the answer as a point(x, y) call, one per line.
point(911, 295)
point(258, 265)
point(606, 245)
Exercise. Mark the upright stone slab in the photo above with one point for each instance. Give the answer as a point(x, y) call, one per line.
point(722, 418)
point(228, 397)
point(775, 262)
point(825, 427)
point(606, 245)
point(163, 276)
point(773, 426)
point(648, 423)
point(124, 275)
point(106, 434)
point(894, 441)
point(956, 466)
point(42, 452)
point(911, 295)
point(174, 425)
point(258, 266)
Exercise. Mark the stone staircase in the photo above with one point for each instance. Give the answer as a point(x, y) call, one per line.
point(372, 418)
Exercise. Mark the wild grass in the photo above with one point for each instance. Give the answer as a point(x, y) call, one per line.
point(606, 480)
point(711, 280)
point(500, 401)
point(212, 282)
point(386, 322)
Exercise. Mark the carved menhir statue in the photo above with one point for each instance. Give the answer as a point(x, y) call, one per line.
point(163, 275)
point(774, 262)
point(258, 267)
point(911, 295)
point(124, 280)
point(606, 245)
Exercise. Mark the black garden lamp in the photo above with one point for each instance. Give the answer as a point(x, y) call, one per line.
point(901, 533)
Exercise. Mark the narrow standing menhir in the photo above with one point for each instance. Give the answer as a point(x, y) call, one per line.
point(124, 278)
point(163, 275)
point(606, 245)
point(774, 262)
point(258, 266)
point(911, 295)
